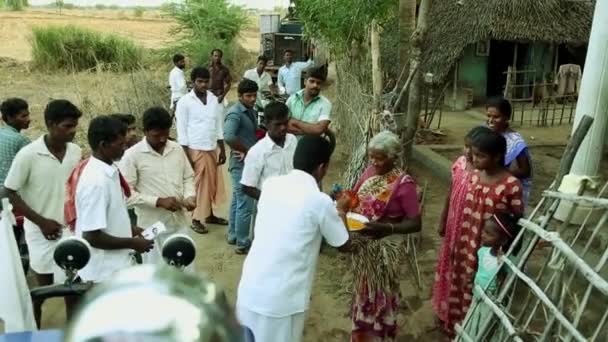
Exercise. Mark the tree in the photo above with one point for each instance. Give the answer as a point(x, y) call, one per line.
point(59, 4)
point(407, 25)
point(210, 19)
point(413, 105)
point(344, 23)
point(204, 25)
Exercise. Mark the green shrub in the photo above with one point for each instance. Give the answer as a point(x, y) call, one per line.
point(100, 6)
point(203, 25)
point(214, 19)
point(14, 5)
point(76, 48)
point(138, 12)
point(69, 6)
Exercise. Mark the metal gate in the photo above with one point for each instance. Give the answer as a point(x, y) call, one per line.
point(537, 104)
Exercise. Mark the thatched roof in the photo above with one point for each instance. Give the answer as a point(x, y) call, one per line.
point(453, 26)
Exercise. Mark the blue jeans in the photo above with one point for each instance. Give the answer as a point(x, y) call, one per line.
point(240, 211)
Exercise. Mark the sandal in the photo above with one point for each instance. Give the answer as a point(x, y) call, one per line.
point(216, 220)
point(199, 227)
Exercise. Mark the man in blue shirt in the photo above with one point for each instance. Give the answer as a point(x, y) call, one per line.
point(239, 133)
point(16, 116)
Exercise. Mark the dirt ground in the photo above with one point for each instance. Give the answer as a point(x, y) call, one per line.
point(328, 316)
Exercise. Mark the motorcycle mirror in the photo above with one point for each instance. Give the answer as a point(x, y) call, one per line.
point(179, 250)
point(72, 254)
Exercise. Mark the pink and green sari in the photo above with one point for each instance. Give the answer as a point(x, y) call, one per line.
point(377, 263)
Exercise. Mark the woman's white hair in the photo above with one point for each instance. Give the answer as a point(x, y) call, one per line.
point(387, 142)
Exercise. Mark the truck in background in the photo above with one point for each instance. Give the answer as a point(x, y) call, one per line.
point(279, 34)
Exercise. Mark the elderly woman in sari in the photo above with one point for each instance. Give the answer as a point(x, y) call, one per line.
point(517, 159)
point(386, 196)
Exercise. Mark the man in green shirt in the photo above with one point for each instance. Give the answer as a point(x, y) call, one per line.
point(16, 116)
point(310, 112)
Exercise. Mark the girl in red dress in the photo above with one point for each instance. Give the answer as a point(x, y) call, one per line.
point(492, 189)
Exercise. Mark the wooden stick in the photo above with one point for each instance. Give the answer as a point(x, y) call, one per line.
point(573, 273)
point(462, 333)
point(586, 201)
point(543, 297)
point(600, 326)
point(588, 216)
point(394, 91)
point(404, 89)
point(499, 313)
point(556, 263)
point(583, 304)
point(376, 67)
point(438, 102)
point(592, 276)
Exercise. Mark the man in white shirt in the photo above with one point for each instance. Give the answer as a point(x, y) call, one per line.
point(273, 154)
point(177, 79)
point(36, 188)
point(101, 208)
point(293, 217)
point(263, 80)
point(290, 74)
point(200, 132)
point(161, 179)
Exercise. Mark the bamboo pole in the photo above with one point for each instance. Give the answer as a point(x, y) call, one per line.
point(376, 67)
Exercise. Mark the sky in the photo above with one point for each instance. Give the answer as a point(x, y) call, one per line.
point(261, 4)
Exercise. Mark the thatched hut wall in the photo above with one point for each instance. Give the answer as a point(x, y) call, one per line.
point(454, 25)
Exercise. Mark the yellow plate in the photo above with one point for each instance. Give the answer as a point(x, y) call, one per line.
point(355, 221)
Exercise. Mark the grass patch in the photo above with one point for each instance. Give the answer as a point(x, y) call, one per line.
point(76, 48)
